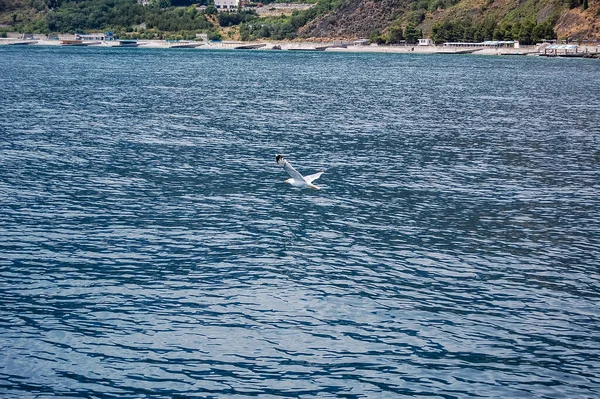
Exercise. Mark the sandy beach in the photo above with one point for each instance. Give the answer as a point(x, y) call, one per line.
point(335, 46)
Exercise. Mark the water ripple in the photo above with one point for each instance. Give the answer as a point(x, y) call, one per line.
point(149, 247)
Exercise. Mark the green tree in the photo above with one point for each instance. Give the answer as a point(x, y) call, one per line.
point(503, 32)
point(485, 30)
point(542, 31)
point(216, 36)
point(439, 32)
point(160, 3)
point(245, 32)
point(231, 19)
point(451, 31)
point(515, 30)
point(376, 37)
point(411, 33)
point(394, 34)
point(526, 32)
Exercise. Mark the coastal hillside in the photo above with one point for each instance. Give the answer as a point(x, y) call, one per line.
point(14, 11)
point(380, 21)
point(466, 20)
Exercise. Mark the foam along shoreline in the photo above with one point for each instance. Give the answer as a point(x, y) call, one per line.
point(590, 50)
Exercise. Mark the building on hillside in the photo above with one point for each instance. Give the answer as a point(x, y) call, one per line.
point(227, 5)
point(425, 42)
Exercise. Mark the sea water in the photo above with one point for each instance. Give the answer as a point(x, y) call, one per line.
point(149, 246)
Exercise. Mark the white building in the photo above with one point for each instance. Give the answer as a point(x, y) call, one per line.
point(227, 5)
point(425, 42)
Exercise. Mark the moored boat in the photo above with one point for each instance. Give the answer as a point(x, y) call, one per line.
point(127, 43)
point(184, 44)
point(322, 48)
point(73, 43)
point(23, 43)
point(250, 46)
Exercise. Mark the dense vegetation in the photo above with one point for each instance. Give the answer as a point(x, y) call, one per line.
point(527, 32)
point(127, 16)
point(120, 16)
point(527, 21)
point(453, 21)
point(395, 34)
point(231, 19)
point(395, 21)
point(285, 27)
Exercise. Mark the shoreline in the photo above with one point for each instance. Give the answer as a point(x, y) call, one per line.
point(592, 51)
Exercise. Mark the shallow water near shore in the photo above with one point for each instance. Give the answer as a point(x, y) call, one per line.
point(150, 248)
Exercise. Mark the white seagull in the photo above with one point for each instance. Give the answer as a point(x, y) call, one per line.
point(297, 179)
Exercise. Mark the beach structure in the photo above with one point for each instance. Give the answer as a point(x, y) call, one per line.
point(94, 37)
point(485, 44)
point(569, 50)
point(461, 44)
point(227, 5)
point(501, 43)
point(425, 42)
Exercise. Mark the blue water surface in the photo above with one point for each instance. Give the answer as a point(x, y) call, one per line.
point(150, 248)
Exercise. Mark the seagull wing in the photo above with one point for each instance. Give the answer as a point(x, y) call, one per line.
point(289, 168)
point(310, 178)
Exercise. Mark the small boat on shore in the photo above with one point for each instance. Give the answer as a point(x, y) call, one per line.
point(322, 48)
point(250, 46)
point(126, 43)
point(467, 51)
point(73, 43)
point(23, 43)
point(184, 44)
